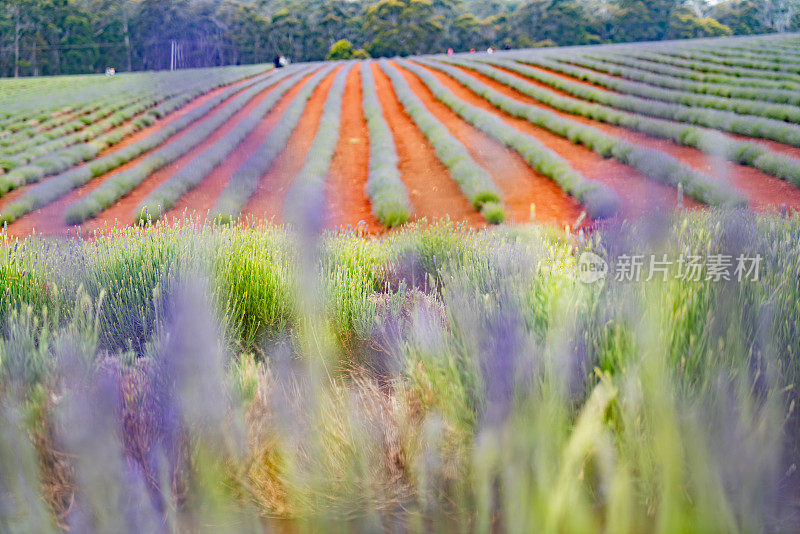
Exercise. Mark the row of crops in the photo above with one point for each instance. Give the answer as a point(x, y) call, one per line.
point(731, 99)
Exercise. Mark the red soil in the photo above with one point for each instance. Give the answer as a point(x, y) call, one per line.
point(347, 200)
point(50, 219)
point(267, 202)
point(202, 198)
point(639, 195)
point(764, 191)
point(432, 191)
point(521, 184)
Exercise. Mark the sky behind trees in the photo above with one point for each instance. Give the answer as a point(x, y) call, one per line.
point(44, 37)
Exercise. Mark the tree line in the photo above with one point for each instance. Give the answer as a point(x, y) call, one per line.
point(46, 37)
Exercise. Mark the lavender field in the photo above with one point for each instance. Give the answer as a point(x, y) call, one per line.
point(237, 379)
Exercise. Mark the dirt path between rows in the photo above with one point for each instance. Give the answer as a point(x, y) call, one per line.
point(639, 195)
point(520, 184)
point(346, 199)
point(764, 191)
point(267, 202)
point(197, 202)
point(433, 193)
point(50, 219)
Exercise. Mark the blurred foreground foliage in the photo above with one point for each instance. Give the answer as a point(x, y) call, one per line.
point(235, 378)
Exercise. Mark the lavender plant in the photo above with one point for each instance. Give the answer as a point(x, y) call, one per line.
point(385, 188)
point(652, 163)
point(726, 121)
point(167, 194)
point(476, 184)
point(245, 180)
point(599, 201)
point(503, 378)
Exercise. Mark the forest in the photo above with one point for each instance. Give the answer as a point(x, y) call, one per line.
point(51, 37)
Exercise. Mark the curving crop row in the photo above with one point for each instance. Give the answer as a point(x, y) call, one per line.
point(652, 163)
point(599, 200)
point(57, 186)
point(62, 160)
point(764, 53)
point(308, 187)
point(36, 105)
point(708, 141)
point(779, 112)
point(385, 188)
point(41, 97)
point(66, 158)
point(81, 136)
point(773, 47)
point(119, 185)
point(60, 126)
point(719, 120)
point(21, 130)
point(157, 106)
point(735, 62)
point(640, 74)
point(476, 184)
point(651, 64)
point(244, 181)
point(703, 66)
point(189, 176)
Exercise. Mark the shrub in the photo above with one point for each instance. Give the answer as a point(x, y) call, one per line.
point(343, 49)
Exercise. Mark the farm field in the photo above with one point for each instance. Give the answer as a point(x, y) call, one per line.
point(560, 136)
point(544, 290)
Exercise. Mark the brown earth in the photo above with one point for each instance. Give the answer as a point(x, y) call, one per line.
point(267, 202)
point(433, 193)
point(520, 184)
point(347, 200)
